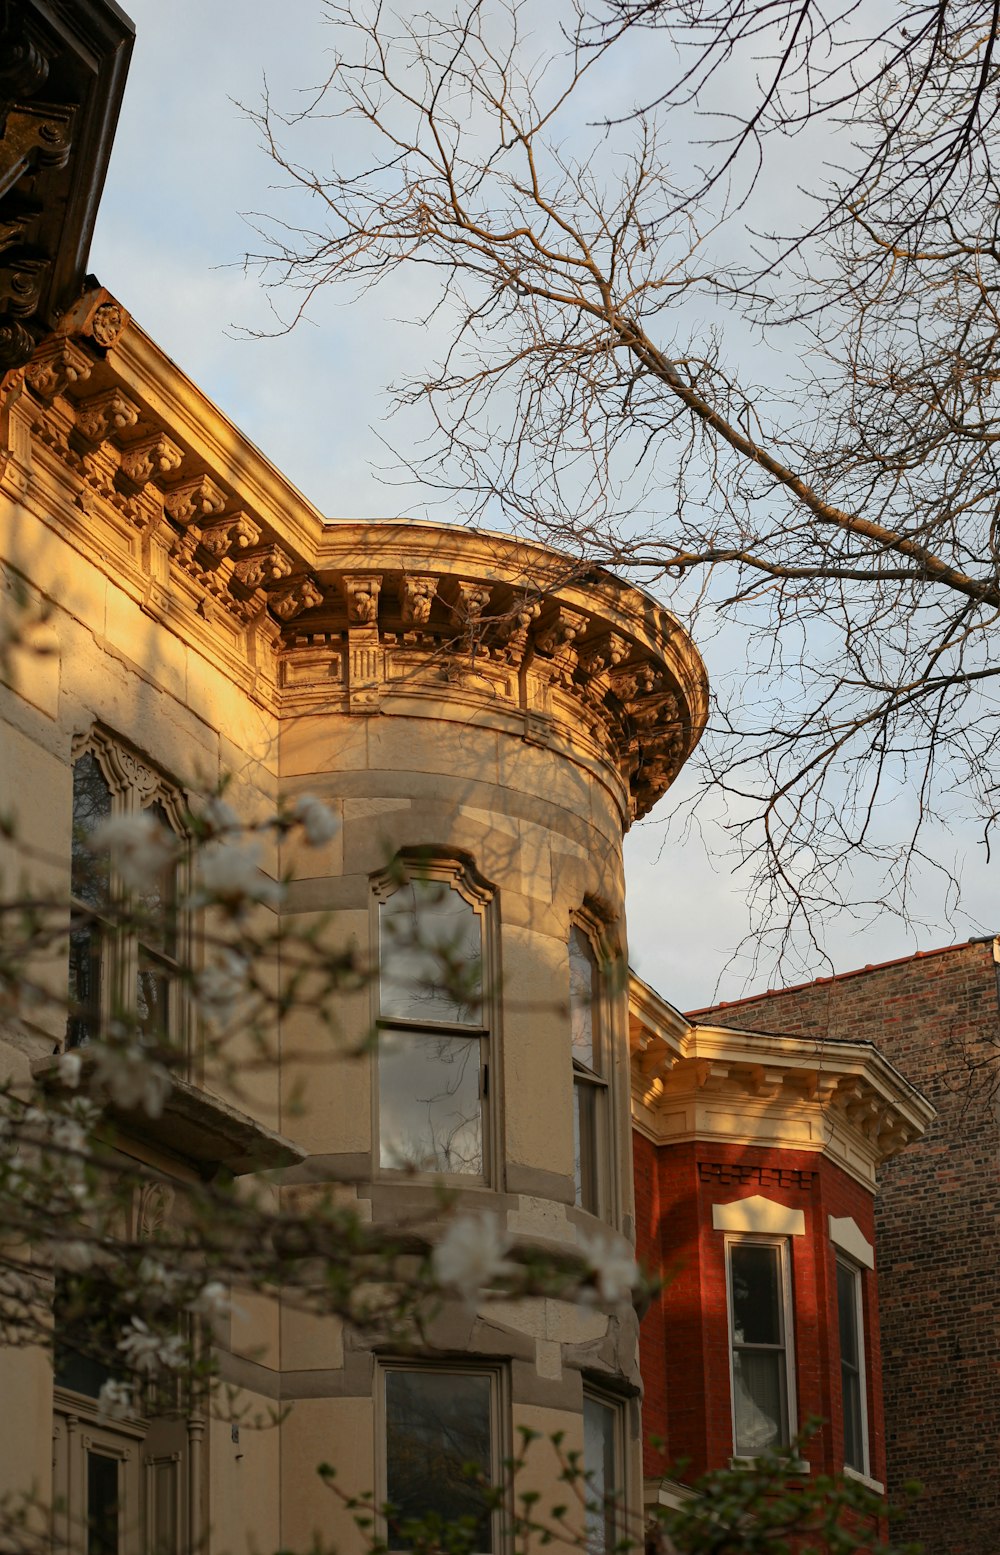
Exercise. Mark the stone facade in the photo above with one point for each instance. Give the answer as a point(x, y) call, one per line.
point(935, 1017)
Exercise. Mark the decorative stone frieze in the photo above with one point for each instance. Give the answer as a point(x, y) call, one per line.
point(102, 417)
point(472, 601)
point(194, 501)
point(58, 364)
point(150, 459)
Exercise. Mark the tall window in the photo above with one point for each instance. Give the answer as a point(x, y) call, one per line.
point(760, 1345)
point(124, 970)
point(852, 1366)
point(590, 1082)
point(603, 1467)
point(433, 1026)
point(441, 1452)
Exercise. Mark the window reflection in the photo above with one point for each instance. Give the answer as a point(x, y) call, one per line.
point(439, 1451)
point(431, 1076)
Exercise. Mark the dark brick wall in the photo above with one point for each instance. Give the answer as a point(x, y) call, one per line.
point(938, 1226)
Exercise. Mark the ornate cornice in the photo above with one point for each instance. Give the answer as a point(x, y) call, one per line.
point(364, 617)
point(709, 1083)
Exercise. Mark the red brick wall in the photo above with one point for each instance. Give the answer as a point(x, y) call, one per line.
point(685, 1336)
point(938, 1226)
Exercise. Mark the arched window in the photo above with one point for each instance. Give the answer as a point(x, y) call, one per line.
point(590, 1074)
point(433, 1025)
point(128, 973)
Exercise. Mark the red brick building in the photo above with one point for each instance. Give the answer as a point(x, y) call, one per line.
point(937, 1231)
point(755, 1172)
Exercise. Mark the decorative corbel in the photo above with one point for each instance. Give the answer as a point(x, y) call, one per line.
point(472, 602)
point(236, 532)
point(303, 595)
point(362, 598)
point(269, 565)
point(512, 630)
point(150, 459)
point(34, 135)
point(191, 502)
point(557, 639)
point(58, 364)
point(417, 595)
point(101, 417)
point(21, 278)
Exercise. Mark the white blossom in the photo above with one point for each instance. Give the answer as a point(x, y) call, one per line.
point(114, 1400)
point(131, 1077)
point(68, 1134)
point(75, 1256)
point(316, 819)
point(615, 1271)
point(220, 817)
point(69, 1067)
point(470, 1255)
point(230, 877)
point(212, 1301)
point(219, 986)
point(148, 1352)
point(155, 1278)
point(140, 847)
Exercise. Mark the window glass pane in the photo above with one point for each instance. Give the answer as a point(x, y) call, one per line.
point(102, 1504)
point(85, 945)
point(582, 1001)
point(852, 1389)
point(158, 903)
point(585, 1145)
point(152, 997)
point(431, 955)
point(91, 805)
point(756, 1294)
point(759, 1400)
point(437, 1423)
point(600, 1466)
point(430, 1111)
point(848, 1313)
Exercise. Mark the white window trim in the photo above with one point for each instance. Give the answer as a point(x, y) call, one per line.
point(757, 1216)
point(137, 786)
point(846, 1234)
point(500, 1428)
point(461, 875)
point(857, 1277)
point(788, 1325)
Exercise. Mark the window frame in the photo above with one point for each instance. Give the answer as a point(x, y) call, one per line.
point(613, 1512)
point(856, 1273)
point(460, 875)
point(786, 1307)
point(135, 786)
point(500, 1431)
point(596, 1082)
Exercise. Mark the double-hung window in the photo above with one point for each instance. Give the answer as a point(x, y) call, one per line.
point(435, 953)
point(760, 1328)
point(442, 1452)
point(603, 1464)
point(852, 1366)
point(124, 948)
point(590, 1076)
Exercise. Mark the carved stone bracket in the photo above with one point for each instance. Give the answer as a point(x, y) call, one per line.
point(191, 502)
point(56, 366)
point(362, 598)
point(34, 135)
point(269, 565)
point(237, 532)
point(150, 459)
point(21, 277)
point(303, 595)
point(509, 634)
point(417, 595)
point(556, 641)
point(472, 602)
point(101, 417)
